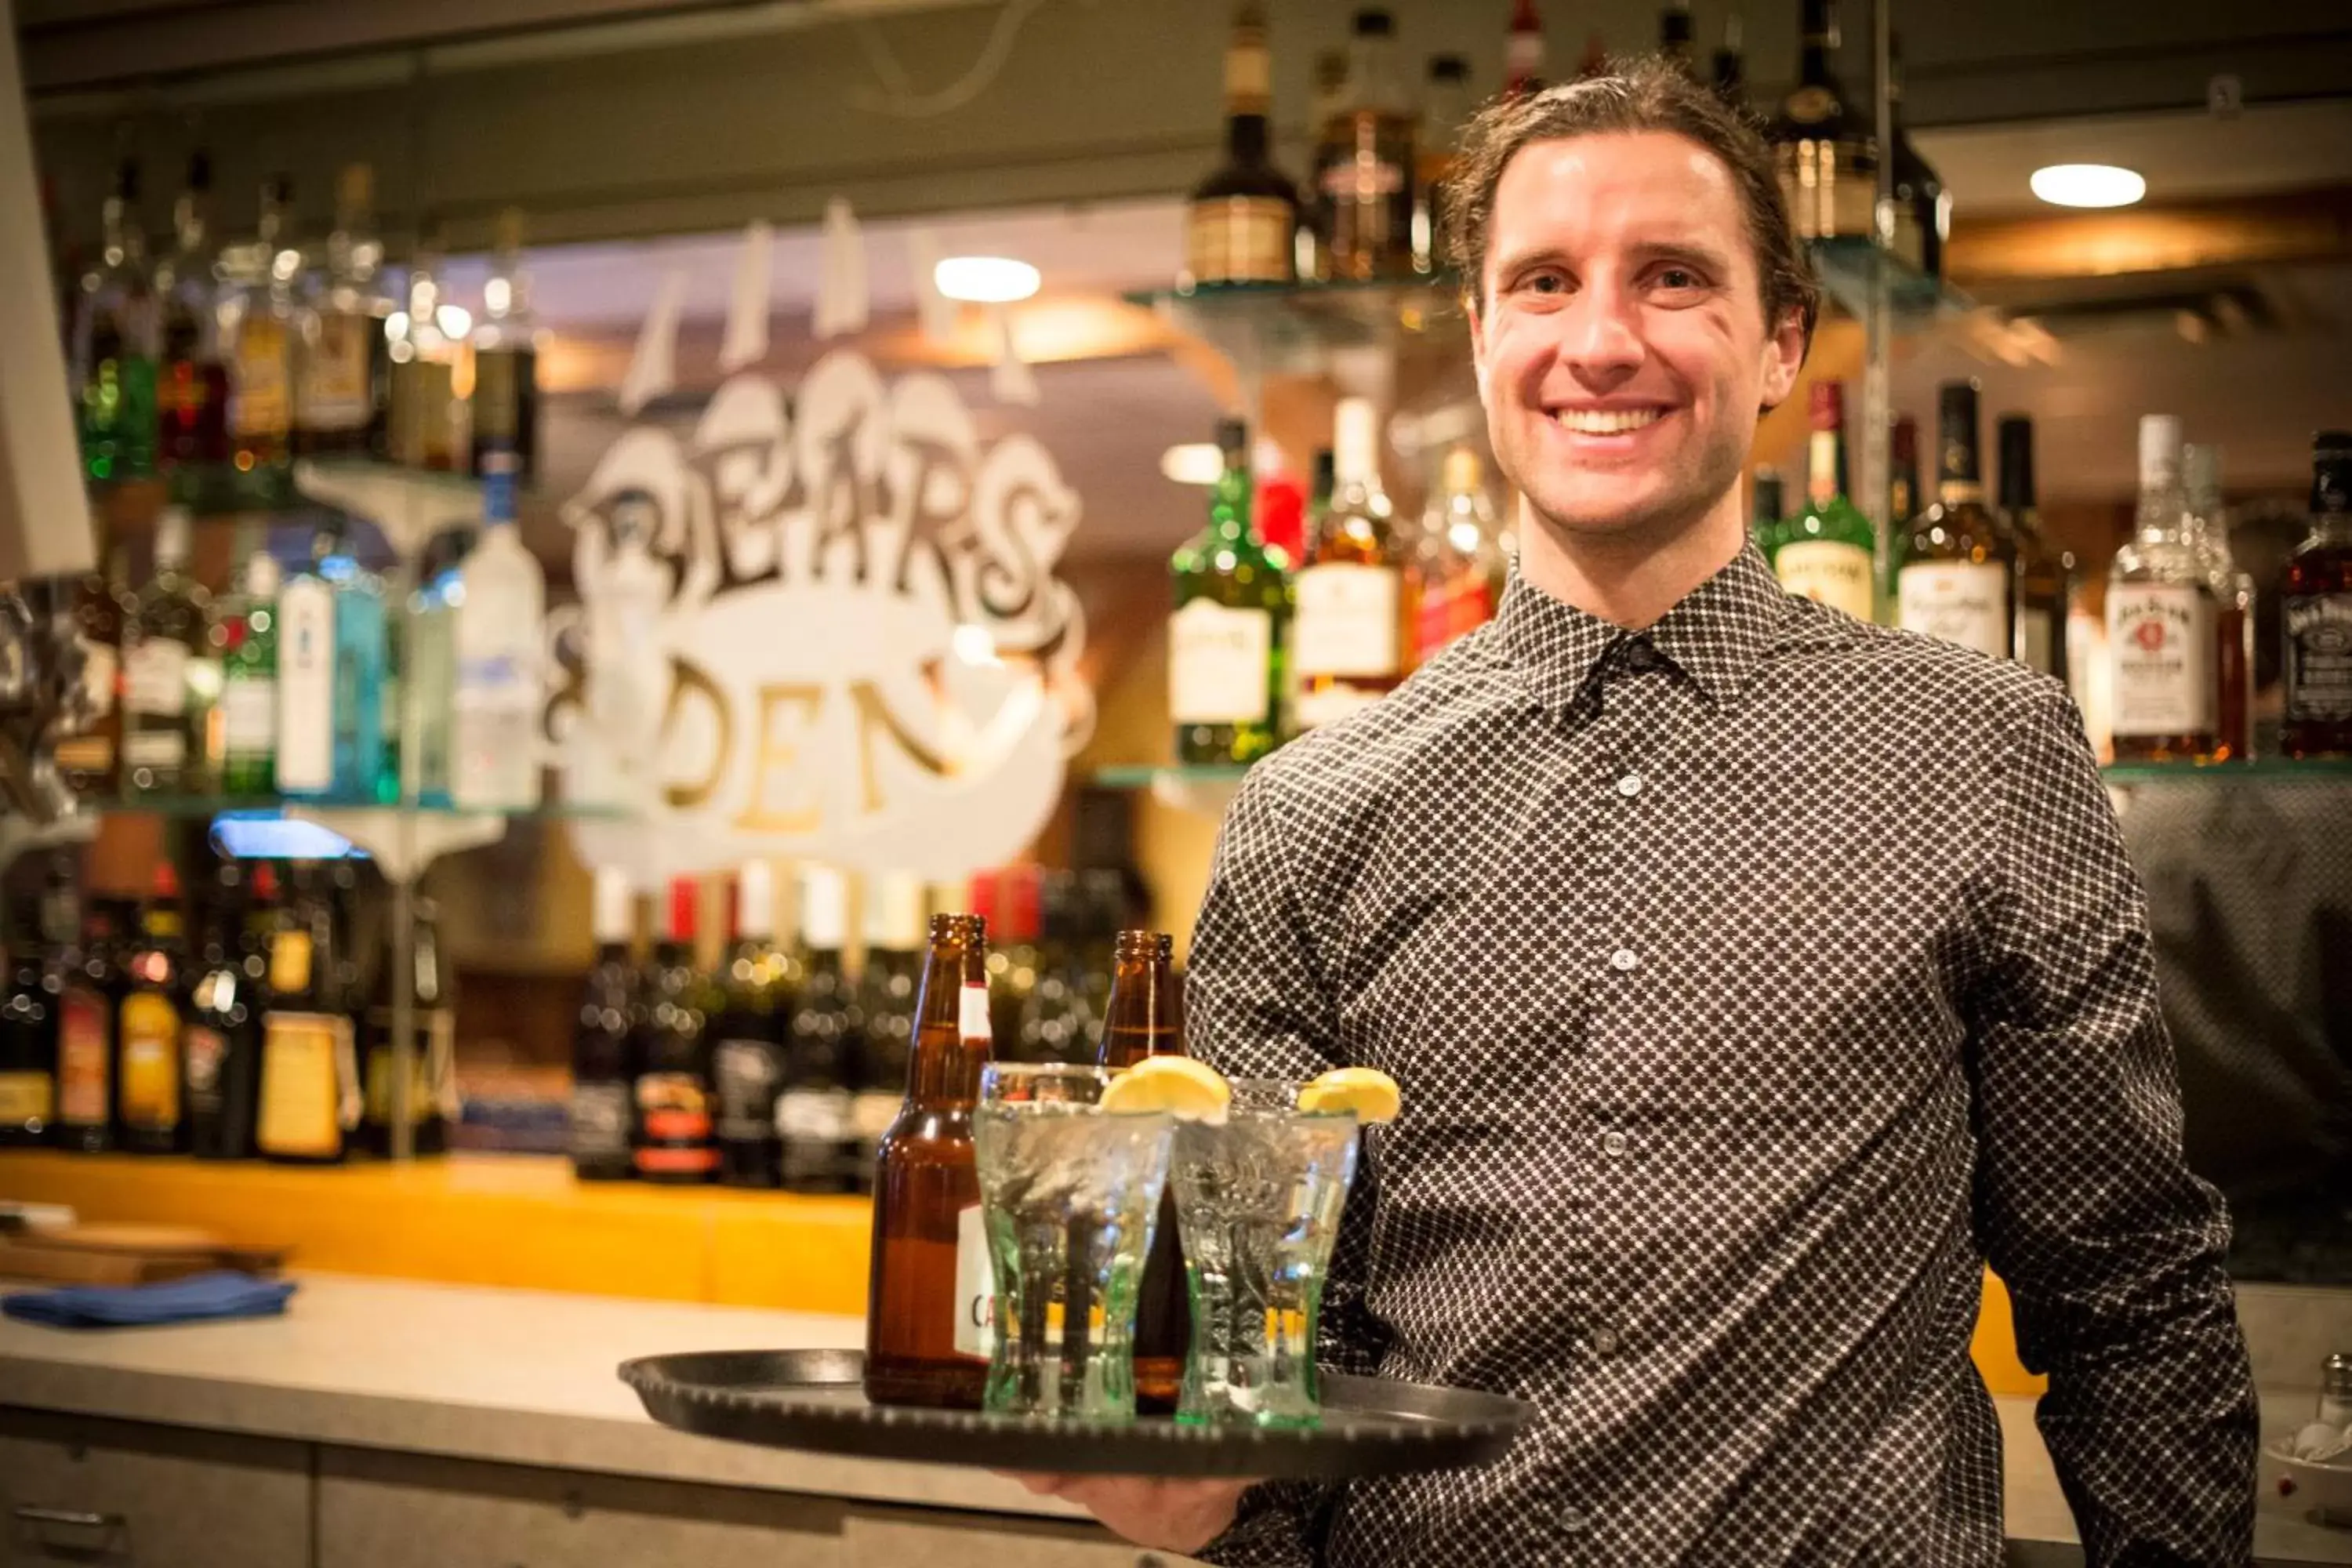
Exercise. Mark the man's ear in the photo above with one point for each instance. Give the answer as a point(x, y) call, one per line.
point(1784, 356)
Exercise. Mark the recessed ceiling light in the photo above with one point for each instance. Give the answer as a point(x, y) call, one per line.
point(2088, 185)
point(986, 280)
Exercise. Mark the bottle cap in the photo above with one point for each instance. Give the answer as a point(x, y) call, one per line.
point(824, 909)
point(894, 911)
point(610, 912)
point(755, 900)
point(684, 892)
point(2160, 449)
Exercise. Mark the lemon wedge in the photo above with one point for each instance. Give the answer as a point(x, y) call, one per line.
point(1187, 1090)
point(1370, 1093)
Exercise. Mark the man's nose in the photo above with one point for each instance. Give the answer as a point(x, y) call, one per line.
point(1603, 337)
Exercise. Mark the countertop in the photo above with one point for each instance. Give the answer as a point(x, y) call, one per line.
point(527, 1377)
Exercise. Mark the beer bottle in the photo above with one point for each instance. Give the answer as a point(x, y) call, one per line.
point(927, 1316)
point(1144, 1019)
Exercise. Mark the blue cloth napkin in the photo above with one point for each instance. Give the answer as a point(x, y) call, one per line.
point(190, 1300)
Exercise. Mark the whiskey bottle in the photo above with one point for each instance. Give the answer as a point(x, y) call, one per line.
point(927, 1330)
point(422, 428)
point(85, 973)
point(1241, 223)
point(342, 386)
point(1901, 474)
point(2207, 524)
point(1828, 550)
point(1364, 164)
point(311, 1095)
point(28, 1038)
point(192, 390)
point(1955, 567)
point(115, 345)
point(1821, 143)
point(2160, 617)
point(1350, 646)
point(1455, 578)
point(2045, 586)
point(506, 363)
point(1923, 209)
point(170, 676)
point(1447, 106)
point(2315, 611)
point(260, 321)
point(1766, 505)
point(150, 1100)
point(1229, 636)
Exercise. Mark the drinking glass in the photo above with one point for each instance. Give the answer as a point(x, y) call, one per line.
point(1068, 1193)
point(1258, 1200)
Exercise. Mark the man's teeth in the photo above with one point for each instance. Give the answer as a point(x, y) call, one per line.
point(1607, 421)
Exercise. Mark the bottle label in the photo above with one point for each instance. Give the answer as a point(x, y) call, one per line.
point(2038, 634)
point(155, 748)
point(746, 1073)
point(674, 1109)
point(27, 1098)
point(1960, 601)
point(151, 1062)
point(1346, 621)
point(102, 671)
point(82, 1064)
point(250, 716)
point(972, 1014)
point(1827, 572)
point(1240, 239)
point(1329, 704)
point(975, 1287)
point(289, 963)
point(306, 686)
point(1220, 664)
point(156, 678)
point(2160, 638)
point(203, 1052)
point(309, 1088)
point(600, 1120)
point(332, 393)
point(257, 405)
point(2318, 672)
point(1450, 607)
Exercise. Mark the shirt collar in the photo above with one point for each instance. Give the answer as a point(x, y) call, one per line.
point(1717, 634)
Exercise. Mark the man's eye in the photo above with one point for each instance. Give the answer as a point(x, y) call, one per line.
point(1546, 283)
point(1677, 278)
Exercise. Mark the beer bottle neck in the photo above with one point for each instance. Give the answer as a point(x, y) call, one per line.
point(1141, 1018)
point(952, 1029)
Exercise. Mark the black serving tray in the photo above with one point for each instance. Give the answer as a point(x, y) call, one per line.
point(813, 1400)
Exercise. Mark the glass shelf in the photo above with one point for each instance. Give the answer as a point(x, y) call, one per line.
point(1851, 267)
point(2261, 770)
point(250, 806)
point(1207, 788)
point(1297, 327)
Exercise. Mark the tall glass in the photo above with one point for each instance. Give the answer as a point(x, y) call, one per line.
point(1258, 1198)
point(1069, 1193)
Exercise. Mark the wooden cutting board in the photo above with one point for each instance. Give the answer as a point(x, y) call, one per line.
point(123, 1254)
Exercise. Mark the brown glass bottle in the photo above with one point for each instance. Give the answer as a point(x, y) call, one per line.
point(926, 1302)
point(1145, 1018)
point(1954, 574)
point(2315, 611)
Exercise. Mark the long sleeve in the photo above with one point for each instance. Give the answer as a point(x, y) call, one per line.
point(1257, 1004)
point(2085, 1205)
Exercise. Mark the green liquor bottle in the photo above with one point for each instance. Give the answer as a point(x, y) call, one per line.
point(1827, 551)
point(1231, 632)
point(249, 684)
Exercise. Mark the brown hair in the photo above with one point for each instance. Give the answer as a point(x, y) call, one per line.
point(1647, 94)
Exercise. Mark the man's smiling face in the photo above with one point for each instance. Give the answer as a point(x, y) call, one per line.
point(1621, 346)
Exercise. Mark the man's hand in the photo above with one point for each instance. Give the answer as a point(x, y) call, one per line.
point(1167, 1516)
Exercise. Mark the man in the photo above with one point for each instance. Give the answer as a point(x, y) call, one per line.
point(1753, 975)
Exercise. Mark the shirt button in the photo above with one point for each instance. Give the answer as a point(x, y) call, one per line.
point(1613, 1143)
point(1571, 1520)
point(1604, 1342)
point(1630, 785)
point(1623, 958)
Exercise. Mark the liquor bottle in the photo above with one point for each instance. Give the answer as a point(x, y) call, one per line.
point(89, 762)
point(1447, 106)
point(1902, 473)
point(604, 1068)
point(1923, 208)
point(1146, 1019)
point(2045, 586)
point(2315, 611)
point(1364, 160)
point(2160, 615)
point(506, 363)
point(85, 974)
point(1731, 65)
point(305, 633)
point(170, 676)
point(28, 1039)
point(1821, 143)
point(817, 1113)
point(884, 1008)
point(342, 388)
point(150, 1104)
point(221, 1042)
point(1767, 506)
point(1229, 634)
point(362, 671)
point(2208, 525)
point(421, 427)
point(676, 1142)
point(494, 716)
point(191, 389)
point(114, 345)
point(1829, 551)
point(1678, 37)
point(747, 1052)
point(1013, 962)
point(1054, 1024)
point(1455, 579)
point(1954, 577)
point(1328, 100)
point(249, 684)
point(1523, 51)
point(431, 1063)
point(1241, 223)
point(431, 679)
point(310, 1094)
point(927, 1333)
point(262, 324)
point(1349, 639)
point(392, 707)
